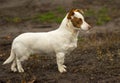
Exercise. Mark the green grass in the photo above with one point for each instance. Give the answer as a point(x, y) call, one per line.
point(90, 13)
point(45, 17)
point(52, 16)
point(98, 17)
point(13, 19)
point(101, 16)
point(48, 17)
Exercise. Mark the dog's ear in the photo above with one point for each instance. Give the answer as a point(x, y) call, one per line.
point(79, 10)
point(71, 13)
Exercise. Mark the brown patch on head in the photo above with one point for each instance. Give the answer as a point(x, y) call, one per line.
point(80, 11)
point(76, 22)
point(71, 13)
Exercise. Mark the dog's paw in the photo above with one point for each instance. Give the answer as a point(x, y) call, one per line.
point(62, 68)
point(20, 70)
point(13, 69)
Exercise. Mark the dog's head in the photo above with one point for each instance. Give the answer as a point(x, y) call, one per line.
point(77, 19)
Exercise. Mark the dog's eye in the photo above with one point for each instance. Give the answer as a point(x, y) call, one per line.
point(80, 20)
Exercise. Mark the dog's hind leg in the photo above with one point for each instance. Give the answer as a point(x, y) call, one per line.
point(20, 58)
point(19, 66)
point(21, 55)
point(13, 66)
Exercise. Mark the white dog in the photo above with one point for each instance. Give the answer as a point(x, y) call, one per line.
point(60, 41)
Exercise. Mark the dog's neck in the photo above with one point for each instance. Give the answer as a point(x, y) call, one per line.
point(68, 27)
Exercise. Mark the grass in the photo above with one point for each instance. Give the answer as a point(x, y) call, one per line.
point(105, 45)
point(101, 16)
point(52, 16)
point(11, 19)
point(48, 17)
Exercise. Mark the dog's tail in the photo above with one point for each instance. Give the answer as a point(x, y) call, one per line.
point(10, 59)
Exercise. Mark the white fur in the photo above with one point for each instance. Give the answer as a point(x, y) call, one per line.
point(60, 41)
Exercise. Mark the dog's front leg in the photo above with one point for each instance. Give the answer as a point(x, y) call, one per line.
point(60, 62)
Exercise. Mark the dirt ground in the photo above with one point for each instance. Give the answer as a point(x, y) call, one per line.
point(95, 60)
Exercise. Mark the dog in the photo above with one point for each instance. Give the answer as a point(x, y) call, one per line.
point(60, 41)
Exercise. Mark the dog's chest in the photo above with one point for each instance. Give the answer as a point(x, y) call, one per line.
point(71, 45)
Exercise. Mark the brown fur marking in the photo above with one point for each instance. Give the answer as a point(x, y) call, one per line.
point(71, 13)
point(76, 22)
point(79, 10)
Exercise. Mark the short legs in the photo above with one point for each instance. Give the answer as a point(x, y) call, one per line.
point(60, 62)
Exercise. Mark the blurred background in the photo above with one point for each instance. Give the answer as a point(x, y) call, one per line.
point(95, 60)
point(97, 11)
